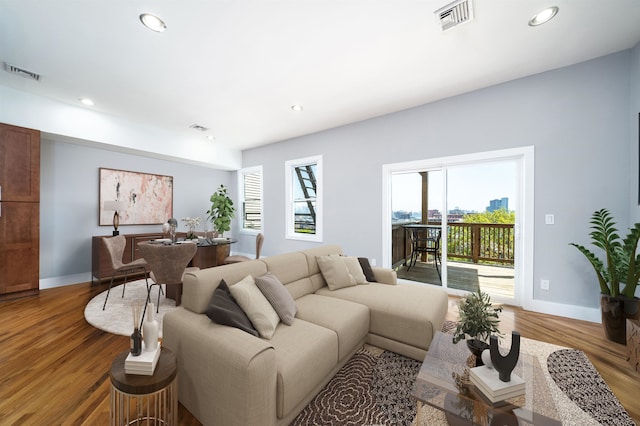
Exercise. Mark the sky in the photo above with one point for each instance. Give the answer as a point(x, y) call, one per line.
point(471, 187)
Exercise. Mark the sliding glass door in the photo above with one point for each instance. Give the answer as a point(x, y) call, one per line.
point(471, 211)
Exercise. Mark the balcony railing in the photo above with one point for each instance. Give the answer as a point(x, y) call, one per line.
point(491, 243)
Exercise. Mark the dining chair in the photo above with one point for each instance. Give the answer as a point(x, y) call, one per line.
point(239, 258)
point(425, 241)
point(115, 249)
point(167, 264)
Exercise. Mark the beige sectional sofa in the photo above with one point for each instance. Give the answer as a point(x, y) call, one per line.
point(227, 376)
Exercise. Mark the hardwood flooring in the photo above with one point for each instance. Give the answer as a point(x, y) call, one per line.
point(54, 366)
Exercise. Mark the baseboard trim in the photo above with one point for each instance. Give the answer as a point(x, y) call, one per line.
point(568, 311)
point(64, 280)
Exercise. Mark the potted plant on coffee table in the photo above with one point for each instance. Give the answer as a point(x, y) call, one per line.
point(479, 319)
point(621, 267)
point(221, 211)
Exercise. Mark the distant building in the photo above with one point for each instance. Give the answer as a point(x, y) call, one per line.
point(496, 204)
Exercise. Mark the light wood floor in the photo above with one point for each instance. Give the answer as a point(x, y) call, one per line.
point(54, 366)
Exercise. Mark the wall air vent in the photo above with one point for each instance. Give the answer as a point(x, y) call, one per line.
point(198, 128)
point(21, 72)
point(454, 14)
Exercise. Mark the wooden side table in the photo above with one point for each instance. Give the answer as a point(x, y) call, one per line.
point(137, 399)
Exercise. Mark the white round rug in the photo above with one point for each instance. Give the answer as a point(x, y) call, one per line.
point(117, 317)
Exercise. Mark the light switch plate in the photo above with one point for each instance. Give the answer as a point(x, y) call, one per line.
point(549, 219)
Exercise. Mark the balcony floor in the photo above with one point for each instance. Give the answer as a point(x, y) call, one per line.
point(494, 280)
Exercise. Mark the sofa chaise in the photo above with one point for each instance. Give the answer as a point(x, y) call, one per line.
point(227, 376)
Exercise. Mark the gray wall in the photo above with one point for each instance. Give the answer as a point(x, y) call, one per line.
point(69, 202)
point(577, 118)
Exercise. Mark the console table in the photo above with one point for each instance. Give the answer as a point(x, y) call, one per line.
point(207, 256)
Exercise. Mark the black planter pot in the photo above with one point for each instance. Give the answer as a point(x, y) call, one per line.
point(477, 347)
point(615, 312)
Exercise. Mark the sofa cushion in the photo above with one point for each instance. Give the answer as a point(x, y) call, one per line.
point(262, 315)
point(224, 310)
point(198, 286)
point(349, 320)
point(306, 354)
point(410, 314)
point(366, 269)
point(335, 272)
point(278, 296)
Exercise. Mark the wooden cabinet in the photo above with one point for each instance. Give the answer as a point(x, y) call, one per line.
point(19, 211)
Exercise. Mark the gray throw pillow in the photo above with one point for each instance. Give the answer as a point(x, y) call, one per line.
point(224, 310)
point(278, 296)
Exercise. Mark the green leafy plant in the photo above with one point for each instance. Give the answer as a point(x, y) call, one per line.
point(621, 258)
point(479, 318)
point(221, 211)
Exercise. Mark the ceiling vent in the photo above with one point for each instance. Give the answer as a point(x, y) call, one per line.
point(454, 14)
point(198, 127)
point(21, 72)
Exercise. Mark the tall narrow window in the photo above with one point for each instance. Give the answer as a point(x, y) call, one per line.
point(304, 198)
point(250, 186)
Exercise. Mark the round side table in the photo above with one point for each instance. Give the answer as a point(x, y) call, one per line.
point(138, 399)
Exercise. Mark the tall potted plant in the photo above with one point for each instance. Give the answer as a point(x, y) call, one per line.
point(221, 211)
point(479, 319)
point(621, 267)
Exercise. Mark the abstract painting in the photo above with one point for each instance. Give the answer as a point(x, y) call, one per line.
point(148, 197)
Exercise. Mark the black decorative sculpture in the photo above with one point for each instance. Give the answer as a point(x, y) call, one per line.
point(505, 364)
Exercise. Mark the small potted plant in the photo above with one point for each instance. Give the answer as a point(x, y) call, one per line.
point(622, 266)
point(192, 223)
point(479, 319)
point(221, 211)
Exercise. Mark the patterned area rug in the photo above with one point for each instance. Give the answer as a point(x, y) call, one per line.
point(374, 388)
point(117, 317)
point(571, 369)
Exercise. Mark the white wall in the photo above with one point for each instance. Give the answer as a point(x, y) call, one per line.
point(576, 117)
point(69, 203)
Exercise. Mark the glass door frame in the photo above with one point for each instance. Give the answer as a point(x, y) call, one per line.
point(524, 230)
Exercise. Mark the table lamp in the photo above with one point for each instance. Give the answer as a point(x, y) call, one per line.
point(115, 206)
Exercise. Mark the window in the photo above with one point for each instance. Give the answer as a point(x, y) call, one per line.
point(250, 187)
point(304, 198)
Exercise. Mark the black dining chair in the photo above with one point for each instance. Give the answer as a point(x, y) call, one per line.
point(425, 241)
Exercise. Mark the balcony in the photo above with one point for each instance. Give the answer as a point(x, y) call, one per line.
point(480, 255)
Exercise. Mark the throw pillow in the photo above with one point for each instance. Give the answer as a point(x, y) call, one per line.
point(278, 296)
point(224, 310)
point(355, 269)
point(335, 272)
point(366, 269)
point(262, 315)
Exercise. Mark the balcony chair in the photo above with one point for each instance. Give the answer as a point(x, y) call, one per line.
point(115, 248)
point(425, 241)
point(168, 264)
point(238, 258)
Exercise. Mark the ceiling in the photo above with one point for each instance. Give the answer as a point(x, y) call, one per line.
point(236, 67)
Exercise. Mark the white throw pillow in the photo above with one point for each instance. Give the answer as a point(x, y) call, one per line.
point(262, 315)
point(335, 272)
point(353, 265)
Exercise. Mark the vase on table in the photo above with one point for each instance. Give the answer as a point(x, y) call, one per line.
point(150, 329)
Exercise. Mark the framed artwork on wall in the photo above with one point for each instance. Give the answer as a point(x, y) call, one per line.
point(144, 199)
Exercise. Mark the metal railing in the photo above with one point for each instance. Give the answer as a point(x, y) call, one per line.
point(490, 243)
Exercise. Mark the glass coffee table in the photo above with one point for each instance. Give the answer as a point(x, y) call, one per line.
point(443, 383)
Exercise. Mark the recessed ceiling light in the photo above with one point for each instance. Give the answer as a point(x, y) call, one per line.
point(210, 137)
point(543, 16)
point(296, 107)
point(87, 101)
point(153, 22)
